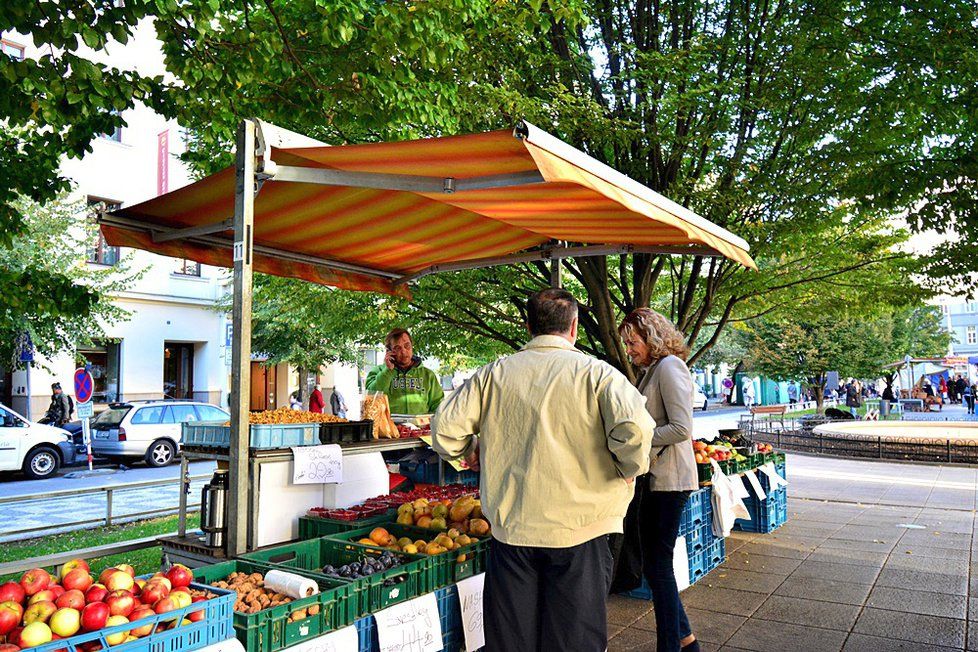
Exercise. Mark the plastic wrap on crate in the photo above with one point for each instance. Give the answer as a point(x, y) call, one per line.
point(216, 434)
point(216, 626)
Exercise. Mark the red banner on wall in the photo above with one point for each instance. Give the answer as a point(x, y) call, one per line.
point(163, 162)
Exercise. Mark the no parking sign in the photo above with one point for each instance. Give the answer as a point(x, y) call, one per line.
point(84, 386)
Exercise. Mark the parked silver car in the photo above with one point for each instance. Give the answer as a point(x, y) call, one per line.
point(150, 430)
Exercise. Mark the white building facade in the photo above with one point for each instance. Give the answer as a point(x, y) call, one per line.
point(174, 341)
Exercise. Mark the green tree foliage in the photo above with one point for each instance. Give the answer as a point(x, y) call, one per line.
point(49, 291)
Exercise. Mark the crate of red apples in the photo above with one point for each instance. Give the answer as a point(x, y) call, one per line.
point(72, 611)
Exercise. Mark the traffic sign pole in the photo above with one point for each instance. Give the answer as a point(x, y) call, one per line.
point(84, 388)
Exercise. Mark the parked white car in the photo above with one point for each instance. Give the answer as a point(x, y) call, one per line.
point(699, 398)
point(36, 449)
point(150, 430)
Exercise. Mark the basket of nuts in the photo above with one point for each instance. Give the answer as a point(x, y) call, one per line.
point(266, 621)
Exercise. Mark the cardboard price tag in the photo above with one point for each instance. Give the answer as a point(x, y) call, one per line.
point(470, 596)
point(412, 626)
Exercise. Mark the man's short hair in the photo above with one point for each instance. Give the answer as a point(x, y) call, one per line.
point(395, 335)
point(550, 312)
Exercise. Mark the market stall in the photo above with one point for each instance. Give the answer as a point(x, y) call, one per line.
point(374, 217)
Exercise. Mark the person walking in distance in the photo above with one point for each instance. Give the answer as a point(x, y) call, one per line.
point(969, 397)
point(337, 403)
point(316, 401)
point(559, 437)
point(748, 391)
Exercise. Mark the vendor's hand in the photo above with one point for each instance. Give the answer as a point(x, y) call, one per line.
point(389, 360)
point(630, 481)
point(472, 459)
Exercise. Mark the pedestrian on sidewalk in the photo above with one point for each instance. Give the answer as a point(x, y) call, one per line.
point(852, 397)
point(559, 437)
point(316, 400)
point(748, 392)
point(792, 392)
point(969, 397)
point(337, 403)
point(655, 344)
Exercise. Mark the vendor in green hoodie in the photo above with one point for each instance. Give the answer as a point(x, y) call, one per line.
point(410, 388)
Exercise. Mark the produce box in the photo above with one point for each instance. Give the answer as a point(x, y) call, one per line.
point(375, 591)
point(703, 561)
point(426, 472)
point(218, 435)
point(765, 515)
point(446, 567)
point(346, 432)
point(214, 627)
point(313, 527)
point(449, 613)
point(284, 625)
point(697, 511)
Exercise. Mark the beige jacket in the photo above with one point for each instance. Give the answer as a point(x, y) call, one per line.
point(668, 390)
point(558, 433)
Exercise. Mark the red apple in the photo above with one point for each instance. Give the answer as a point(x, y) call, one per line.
point(119, 580)
point(35, 634)
point(94, 615)
point(13, 592)
point(197, 616)
point(65, 622)
point(78, 578)
point(39, 612)
point(138, 588)
point(74, 564)
point(105, 574)
point(73, 599)
point(14, 636)
point(164, 605)
point(11, 614)
point(153, 592)
point(129, 569)
point(118, 637)
point(57, 589)
point(9, 647)
point(121, 603)
point(91, 646)
point(138, 614)
point(160, 577)
point(96, 593)
point(180, 576)
point(47, 595)
point(35, 580)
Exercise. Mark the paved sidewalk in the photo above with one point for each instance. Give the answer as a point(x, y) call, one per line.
point(874, 557)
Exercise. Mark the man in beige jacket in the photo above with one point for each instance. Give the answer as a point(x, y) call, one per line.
point(559, 437)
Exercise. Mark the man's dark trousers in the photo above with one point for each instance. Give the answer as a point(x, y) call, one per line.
point(547, 599)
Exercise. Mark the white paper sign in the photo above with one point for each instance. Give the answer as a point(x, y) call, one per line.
point(317, 464)
point(342, 640)
point(756, 484)
point(680, 564)
point(411, 626)
point(776, 480)
point(470, 597)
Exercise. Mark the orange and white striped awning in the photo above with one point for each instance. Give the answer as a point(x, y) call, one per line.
point(373, 216)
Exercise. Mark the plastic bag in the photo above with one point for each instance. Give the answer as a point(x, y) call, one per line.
point(376, 407)
point(728, 505)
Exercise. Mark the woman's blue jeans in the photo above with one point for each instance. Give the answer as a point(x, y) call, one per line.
point(660, 515)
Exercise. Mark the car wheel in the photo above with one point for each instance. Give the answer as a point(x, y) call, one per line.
point(161, 452)
point(41, 463)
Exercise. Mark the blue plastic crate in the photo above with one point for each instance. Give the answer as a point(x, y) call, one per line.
point(216, 626)
point(449, 611)
point(700, 538)
point(426, 472)
point(765, 515)
point(766, 481)
point(698, 511)
point(218, 435)
point(703, 561)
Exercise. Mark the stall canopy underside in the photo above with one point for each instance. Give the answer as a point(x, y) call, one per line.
point(370, 217)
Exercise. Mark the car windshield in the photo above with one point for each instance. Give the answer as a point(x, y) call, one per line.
point(111, 417)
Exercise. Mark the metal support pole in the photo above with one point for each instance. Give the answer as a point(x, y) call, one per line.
point(28, 411)
point(184, 490)
point(108, 507)
point(555, 273)
point(244, 222)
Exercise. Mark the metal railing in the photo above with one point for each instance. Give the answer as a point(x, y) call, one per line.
point(799, 435)
point(109, 518)
point(55, 559)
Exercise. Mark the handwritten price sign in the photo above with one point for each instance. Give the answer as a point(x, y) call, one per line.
point(411, 626)
point(470, 596)
point(317, 464)
point(342, 640)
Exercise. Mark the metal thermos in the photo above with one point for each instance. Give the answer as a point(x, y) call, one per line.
point(213, 505)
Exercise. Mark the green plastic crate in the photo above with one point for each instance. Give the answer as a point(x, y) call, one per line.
point(270, 629)
point(409, 580)
point(445, 568)
point(311, 527)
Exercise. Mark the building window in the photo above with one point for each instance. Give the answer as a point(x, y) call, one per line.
point(115, 134)
point(946, 309)
point(101, 253)
point(184, 267)
point(972, 335)
point(12, 50)
point(102, 357)
point(973, 306)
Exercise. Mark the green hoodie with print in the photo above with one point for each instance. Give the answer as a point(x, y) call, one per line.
point(416, 390)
